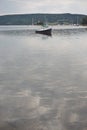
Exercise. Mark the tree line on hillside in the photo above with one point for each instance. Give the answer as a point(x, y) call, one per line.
point(38, 19)
point(84, 21)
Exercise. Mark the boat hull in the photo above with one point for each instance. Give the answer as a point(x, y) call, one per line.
point(45, 31)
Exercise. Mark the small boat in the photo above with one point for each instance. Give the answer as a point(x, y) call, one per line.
point(45, 31)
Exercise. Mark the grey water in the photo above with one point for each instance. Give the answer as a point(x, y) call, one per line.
point(43, 80)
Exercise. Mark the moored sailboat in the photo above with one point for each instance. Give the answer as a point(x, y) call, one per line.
point(45, 30)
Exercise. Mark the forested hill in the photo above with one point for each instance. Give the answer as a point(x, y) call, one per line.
point(28, 19)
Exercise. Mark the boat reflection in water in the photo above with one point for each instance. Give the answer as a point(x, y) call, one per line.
point(45, 31)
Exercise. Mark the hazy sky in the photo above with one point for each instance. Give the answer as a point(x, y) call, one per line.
point(43, 6)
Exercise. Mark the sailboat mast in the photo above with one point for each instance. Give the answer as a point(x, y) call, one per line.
point(77, 21)
point(32, 21)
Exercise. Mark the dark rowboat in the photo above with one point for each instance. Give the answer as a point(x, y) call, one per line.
point(46, 31)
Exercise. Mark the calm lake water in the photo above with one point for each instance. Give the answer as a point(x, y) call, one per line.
point(43, 80)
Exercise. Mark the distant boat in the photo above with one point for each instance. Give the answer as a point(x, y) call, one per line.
point(45, 31)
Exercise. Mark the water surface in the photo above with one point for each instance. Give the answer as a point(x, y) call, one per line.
point(43, 80)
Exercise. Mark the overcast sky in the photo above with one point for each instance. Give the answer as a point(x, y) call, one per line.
point(43, 6)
